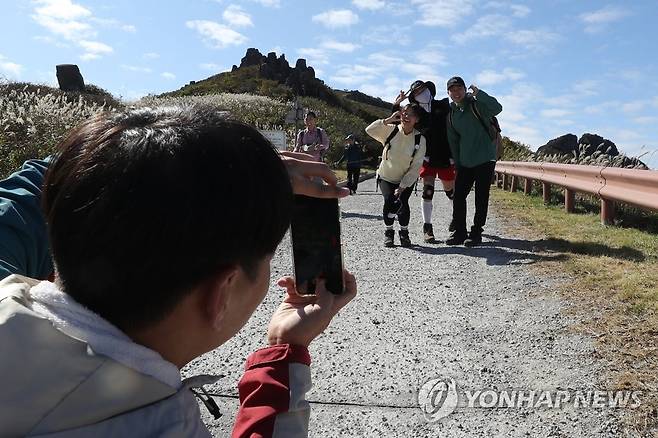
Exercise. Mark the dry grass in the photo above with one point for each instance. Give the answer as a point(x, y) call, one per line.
point(613, 285)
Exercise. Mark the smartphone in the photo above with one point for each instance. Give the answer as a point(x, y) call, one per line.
point(316, 248)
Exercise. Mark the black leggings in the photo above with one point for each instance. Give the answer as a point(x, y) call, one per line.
point(391, 207)
point(353, 174)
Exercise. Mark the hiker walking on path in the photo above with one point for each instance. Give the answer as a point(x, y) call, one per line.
point(354, 157)
point(312, 140)
point(438, 157)
point(402, 157)
point(474, 153)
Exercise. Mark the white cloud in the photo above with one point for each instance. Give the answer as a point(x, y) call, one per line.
point(520, 10)
point(603, 107)
point(536, 40)
point(646, 120)
point(10, 69)
point(354, 74)
point(385, 60)
point(587, 87)
point(385, 34)
point(371, 5)
point(61, 10)
point(336, 18)
point(236, 16)
point(53, 41)
point(113, 24)
point(491, 77)
point(136, 69)
point(313, 56)
point(168, 75)
point(633, 107)
point(339, 47)
point(442, 13)
point(431, 56)
point(597, 20)
point(151, 55)
point(216, 35)
point(655, 101)
point(554, 113)
point(485, 26)
point(386, 88)
point(63, 18)
point(75, 23)
point(94, 50)
point(517, 10)
point(269, 3)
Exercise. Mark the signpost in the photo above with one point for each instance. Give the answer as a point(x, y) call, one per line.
point(277, 137)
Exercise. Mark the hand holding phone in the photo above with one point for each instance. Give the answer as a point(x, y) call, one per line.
point(301, 318)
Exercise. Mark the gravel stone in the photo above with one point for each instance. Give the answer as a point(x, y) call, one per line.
point(477, 315)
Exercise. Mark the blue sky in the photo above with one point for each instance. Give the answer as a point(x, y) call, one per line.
point(557, 66)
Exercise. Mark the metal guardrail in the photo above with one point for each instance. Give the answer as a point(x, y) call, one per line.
point(610, 184)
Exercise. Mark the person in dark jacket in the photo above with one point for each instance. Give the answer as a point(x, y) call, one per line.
point(353, 155)
point(438, 158)
point(475, 156)
point(24, 245)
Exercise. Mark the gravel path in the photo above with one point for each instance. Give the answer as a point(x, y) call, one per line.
point(476, 315)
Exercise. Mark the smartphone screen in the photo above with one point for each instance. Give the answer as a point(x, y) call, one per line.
point(316, 247)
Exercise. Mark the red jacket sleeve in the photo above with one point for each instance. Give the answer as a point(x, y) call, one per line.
point(272, 393)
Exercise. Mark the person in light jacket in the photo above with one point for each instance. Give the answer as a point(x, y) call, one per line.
point(159, 257)
point(402, 157)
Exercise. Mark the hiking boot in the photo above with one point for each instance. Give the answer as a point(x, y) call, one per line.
point(388, 238)
point(457, 238)
point(428, 233)
point(474, 237)
point(404, 238)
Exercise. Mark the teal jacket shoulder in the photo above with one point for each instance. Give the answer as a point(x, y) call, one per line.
point(24, 245)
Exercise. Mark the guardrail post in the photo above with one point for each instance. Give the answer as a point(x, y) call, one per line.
point(607, 212)
point(569, 200)
point(505, 177)
point(527, 186)
point(513, 184)
point(499, 181)
point(546, 188)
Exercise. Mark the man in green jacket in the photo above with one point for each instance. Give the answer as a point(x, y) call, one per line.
point(474, 153)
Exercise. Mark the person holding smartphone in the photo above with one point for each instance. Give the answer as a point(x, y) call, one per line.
point(150, 274)
point(402, 157)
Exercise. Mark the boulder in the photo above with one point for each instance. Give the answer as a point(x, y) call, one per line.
point(565, 144)
point(70, 78)
point(595, 143)
point(252, 57)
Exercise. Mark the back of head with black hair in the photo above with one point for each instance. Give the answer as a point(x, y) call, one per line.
point(145, 205)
